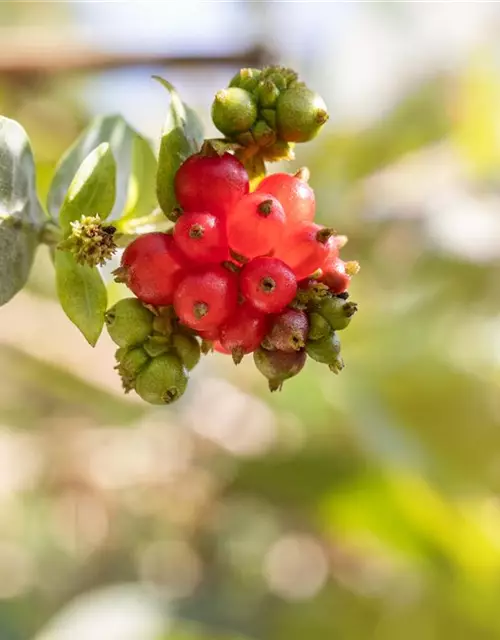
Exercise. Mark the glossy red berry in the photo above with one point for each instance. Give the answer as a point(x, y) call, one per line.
point(205, 298)
point(153, 268)
point(220, 349)
point(243, 331)
point(255, 225)
point(288, 332)
point(295, 195)
point(210, 183)
point(336, 274)
point(306, 248)
point(201, 237)
point(209, 334)
point(268, 284)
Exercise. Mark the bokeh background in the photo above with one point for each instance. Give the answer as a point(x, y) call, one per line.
point(363, 506)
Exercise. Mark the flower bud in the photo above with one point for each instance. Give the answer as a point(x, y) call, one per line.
point(266, 94)
point(234, 111)
point(336, 311)
point(129, 323)
point(319, 327)
point(163, 380)
point(247, 79)
point(300, 113)
point(91, 242)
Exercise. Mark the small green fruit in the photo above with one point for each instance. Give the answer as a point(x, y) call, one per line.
point(234, 111)
point(187, 348)
point(247, 79)
point(163, 380)
point(129, 322)
point(278, 366)
point(300, 113)
point(269, 115)
point(336, 311)
point(156, 345)
point(318, 327)
point(266, 93)
point(130, 362)
point(262, 133)
point(325, 350)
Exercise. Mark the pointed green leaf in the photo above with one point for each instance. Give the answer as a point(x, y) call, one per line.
point(132, 154)
point(182, 136)
point(92, 191)
point(82, 295)
point(21, 216)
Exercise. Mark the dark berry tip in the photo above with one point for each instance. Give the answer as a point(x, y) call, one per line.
point(265, 208)
point(120, 275)
point(200, 310)
point(267, 284)
point(321, 116)
point(196, 231)
point(350, 309)
point(324, 235)
point(237, 355)
point(171, 395)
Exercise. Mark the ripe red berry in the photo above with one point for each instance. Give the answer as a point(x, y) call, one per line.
point(289, 331)
point(243, 331)
point(209, 334)
point(306, 248)
point(255, 225)
point(153, 268)
point(210, 183)
point(205, 298)
point(220, 349)
point(201, 237)
point(268, 284)
point(337, 273)
point(295, 195)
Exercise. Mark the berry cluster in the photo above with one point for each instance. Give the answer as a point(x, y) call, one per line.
point(244, 272)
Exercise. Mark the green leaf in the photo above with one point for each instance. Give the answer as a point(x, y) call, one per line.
point(92, 191)
point(82, 295)
point(182, 136)
point(133, 156)
point(21, 216)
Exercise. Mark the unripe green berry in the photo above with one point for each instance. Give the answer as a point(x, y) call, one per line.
point(300, 114)
point(187, 348)
point(266, 93)
point(269, 116)
point(325, 350)
point(130, 362)
point(247, 79)
point(319, 327)
point(234, 111)
point(129, 322)
point(163, 380)
point(262, 133)
point(156, 345)
point(278, 366)
point(336, 311)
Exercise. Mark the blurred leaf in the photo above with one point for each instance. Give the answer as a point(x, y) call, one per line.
point(127, 147)
point(21, 216)
point(141, 198)
point(181, 137)
point(93, 188)
point(82, 295)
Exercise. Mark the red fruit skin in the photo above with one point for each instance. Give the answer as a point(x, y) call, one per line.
point(252, 232)
point(209, 334)
point(154, 267)
point(201, 237)
point(335, 276)
point(210, 183)
point(244, 330)
point(220, 349)
point(215, 287)
point(302, 250)
point(259, 271)
point(295, 195)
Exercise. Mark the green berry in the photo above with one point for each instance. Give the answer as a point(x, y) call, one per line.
point(247, 79)
point(269, 116)
point(300, 114)
point(319, 327)
point(336, 311)
point(266, 93)
point(325, 350)
point(262, 133)
point(187, 348)
point(278, 366)
point(130, 362)
point(234, 111)
point(129, 322)
point(163, 380)
point(156, 345)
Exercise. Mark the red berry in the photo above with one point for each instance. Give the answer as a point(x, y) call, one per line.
point(220, 349)
point(210, 183)
point(295, 195)
point(268, 284)
point(335, 274)
point(209, 334)
point(243, 331)
point(288, 332)
point(201, 237)
point(153, 268)
point(205, 298)
point(306, 248)
point(255, 225)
